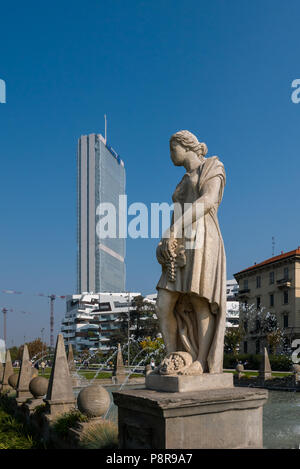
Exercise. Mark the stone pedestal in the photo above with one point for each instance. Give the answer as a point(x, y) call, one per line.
point(81, 427)
point(23, 396)
point(32, 404)
point(227, 418)
point(181, 383)
point(5, 388)
point(56, 407)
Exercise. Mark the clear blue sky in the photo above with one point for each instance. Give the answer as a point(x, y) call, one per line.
point(221, 69)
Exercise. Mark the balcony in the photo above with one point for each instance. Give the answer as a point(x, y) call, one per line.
point(68, 335)
point(68, 328)
point(284, 283)
point(244, 293)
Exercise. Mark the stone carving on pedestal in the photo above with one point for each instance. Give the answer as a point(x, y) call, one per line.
point(191, 302)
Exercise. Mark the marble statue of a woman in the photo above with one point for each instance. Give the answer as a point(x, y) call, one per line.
point(191, 302)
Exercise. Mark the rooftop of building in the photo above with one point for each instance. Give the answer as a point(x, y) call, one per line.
point(92, 295)
point(271, 260)
point(110, 148)
point(231, 281)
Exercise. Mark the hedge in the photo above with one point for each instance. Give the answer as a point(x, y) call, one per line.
point(278, 362)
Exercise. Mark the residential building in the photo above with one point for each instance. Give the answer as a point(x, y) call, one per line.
point(101, 179)
point(91, 318)
point(272, 285)
point(232, 304)
point(232, 290)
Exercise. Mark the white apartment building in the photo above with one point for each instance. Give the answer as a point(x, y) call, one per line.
point(232, 303)
point(91, 318)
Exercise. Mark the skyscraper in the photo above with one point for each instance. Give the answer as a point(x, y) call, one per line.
point(101, 179)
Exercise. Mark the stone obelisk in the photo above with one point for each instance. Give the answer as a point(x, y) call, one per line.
point(60, 397)
point(25, 377)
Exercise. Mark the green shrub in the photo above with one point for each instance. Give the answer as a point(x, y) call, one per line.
point(67, 421)
point(102, 435)
point(278, 362)
point(13, 434)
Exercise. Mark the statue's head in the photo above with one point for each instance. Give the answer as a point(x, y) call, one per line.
point(183, 142)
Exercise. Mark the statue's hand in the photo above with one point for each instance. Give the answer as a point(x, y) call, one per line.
point(168, 247)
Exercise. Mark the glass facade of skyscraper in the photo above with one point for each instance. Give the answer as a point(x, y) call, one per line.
point(101, 179)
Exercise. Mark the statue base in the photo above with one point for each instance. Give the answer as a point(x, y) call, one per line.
point(182, 383)
point(228, 418)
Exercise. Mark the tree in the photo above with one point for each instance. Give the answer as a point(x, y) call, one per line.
point(261, 322)
point(232, 340)
point(14, 353)
point(274, 339)
point(36, 349)
point(155, 348)
point(142, 322)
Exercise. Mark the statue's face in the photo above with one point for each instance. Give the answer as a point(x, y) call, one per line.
point(177, 153)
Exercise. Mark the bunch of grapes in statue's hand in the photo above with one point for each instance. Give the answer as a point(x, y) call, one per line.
point(171, 260)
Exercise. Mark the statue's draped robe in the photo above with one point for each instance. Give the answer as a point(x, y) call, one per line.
point(204, 273)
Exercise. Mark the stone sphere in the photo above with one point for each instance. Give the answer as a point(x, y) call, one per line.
point(240, 368)
point(93, 400)
point(38, 386)
point(13, 380)
point(296, 368)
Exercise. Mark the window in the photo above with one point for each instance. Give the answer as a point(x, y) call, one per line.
point(257, 325)
point(119, 304)
point(286, 320)
point(272, 278)
point(104, 307)
point(245, 347)
point(286, 273)
point(257, 302)
point(285, 297)
point(271, 299)
point(258, 281)
point(246, 325)
point(246, 284)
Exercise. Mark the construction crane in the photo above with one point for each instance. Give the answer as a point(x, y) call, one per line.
point(52, 298)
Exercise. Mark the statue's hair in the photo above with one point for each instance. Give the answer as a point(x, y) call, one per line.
point(190, 142)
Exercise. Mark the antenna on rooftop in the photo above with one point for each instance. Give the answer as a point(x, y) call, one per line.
point(105, 131)
point(273, 246)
